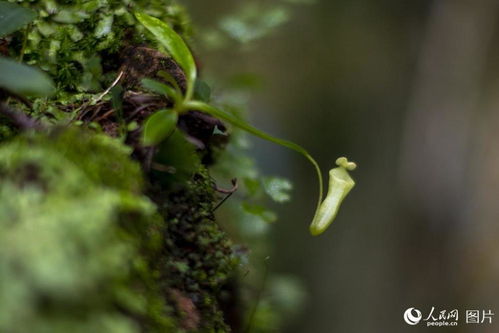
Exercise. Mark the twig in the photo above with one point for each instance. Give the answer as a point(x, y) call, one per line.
point(96, 112)
point(95, 100)
point(105, 115)
point(137, 110)
point(229, 192)
point(20, 98)
point(115, 82)
point(162, 167)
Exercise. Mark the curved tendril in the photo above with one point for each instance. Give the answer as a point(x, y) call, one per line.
point(243, 125)
point(321, 182)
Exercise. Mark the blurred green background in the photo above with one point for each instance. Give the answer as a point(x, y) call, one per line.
point(408, 90)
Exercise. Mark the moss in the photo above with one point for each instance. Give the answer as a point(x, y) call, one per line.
point(6, 132)
point(119, 258)
point(199, 260)
point(69, 38)
point(79, 245)
point(106, 160)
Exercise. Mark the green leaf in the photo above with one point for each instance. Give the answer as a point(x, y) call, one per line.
point(260, 211)
point(253, 186)
point(117, 99)
point(117, 103)
point(174, 44)
point(171, 80)
point(202, 91)
point(104, 26)
point(13, 17)
point(69, 16)
point(159, 126)
point(277, 188)
point(178, 159)
point(253, 22)
point(23, 80)
point(160, 88)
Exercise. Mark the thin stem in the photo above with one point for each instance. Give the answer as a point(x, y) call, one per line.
point(189, 91)
point(197, 105)
point(25, 42)
point(251, 317)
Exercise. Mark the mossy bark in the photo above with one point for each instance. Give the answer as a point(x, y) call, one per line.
point(88, 245)
point(98, 233)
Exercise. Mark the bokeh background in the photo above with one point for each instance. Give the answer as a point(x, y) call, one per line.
point(410, 91)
